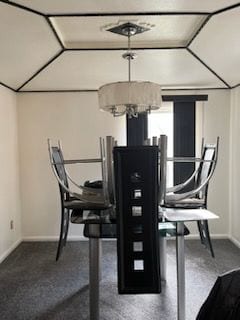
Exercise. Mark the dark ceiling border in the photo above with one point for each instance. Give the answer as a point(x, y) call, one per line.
point(226, 8)
point(199, 29)
point(234, 87)
point(63, 49)
point(120, 14)
point(54, 32)
point(210, 69)
point(209, 17)
point(124, 48)
point(19, 6)
point(95, 90)
point(197, 89)
point(118, 49)
point(102, 14)
point(6, 86)
point(41, 69)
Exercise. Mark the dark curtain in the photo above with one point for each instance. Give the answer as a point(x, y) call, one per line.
point(184, 139)
point(184, 131)
point(137, 130)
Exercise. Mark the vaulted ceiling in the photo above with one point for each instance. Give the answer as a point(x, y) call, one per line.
point(63, 45)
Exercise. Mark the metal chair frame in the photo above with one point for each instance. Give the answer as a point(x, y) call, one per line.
point(88, 199)
point(197, 197)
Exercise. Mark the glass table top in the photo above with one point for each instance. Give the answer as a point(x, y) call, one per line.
point(165, 215)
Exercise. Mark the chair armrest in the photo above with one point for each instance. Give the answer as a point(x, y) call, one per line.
point(180, 196)
point(182, 185)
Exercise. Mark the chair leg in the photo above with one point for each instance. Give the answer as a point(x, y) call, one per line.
point(205, 235)
point(200, 230)
point(66, 226)
point(63, 232)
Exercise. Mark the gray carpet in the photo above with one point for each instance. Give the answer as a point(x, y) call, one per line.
point(34, 286)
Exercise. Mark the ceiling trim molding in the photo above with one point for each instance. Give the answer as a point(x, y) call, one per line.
point(6, 86)
point(106, 14)
point(209, 17)
point(210, 69)
point(237, 85)
point(141, 13)
point(197, 89)
point(60, 90)
point(125, 48)
point(226, 8)
point(41, 69)
point(199, 29)
point(54, 32)
point(19, 6)
point(94, 90)
point(63, 49)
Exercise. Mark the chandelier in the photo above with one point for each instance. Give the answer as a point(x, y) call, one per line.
point(129, 97)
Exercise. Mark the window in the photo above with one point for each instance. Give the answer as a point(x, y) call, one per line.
point(161, 122)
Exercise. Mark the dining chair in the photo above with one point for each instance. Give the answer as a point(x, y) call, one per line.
point(92, 196)
point(176, 197)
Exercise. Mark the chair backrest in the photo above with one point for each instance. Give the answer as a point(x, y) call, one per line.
point(110, 143)
point(201, 177)
point(86, 194)
point(209, 155)
point(58, 160)
point(161, 142)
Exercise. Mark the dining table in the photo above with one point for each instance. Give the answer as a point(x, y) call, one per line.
point(103, 225)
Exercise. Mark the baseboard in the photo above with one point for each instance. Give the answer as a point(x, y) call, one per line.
point(197, 237)
point(82, 238)
point(213, 236)
point(53, 238)
point(234, 241)
point(9, 250)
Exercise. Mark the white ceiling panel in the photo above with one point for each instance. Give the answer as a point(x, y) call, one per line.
point(79, 32)
point(218, 44)
point(81, 70)
point(27, 43)
point(173, 68)
point(76, 70)
point(84, 6)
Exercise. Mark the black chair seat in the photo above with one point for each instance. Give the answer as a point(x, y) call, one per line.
point(188, 203)
point(78, 204)
point(106, 231)
point(93, 216)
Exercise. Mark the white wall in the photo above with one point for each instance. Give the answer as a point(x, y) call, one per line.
point(216, 122)
point(234, 166)
point(9, 186)
point(75, 119)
